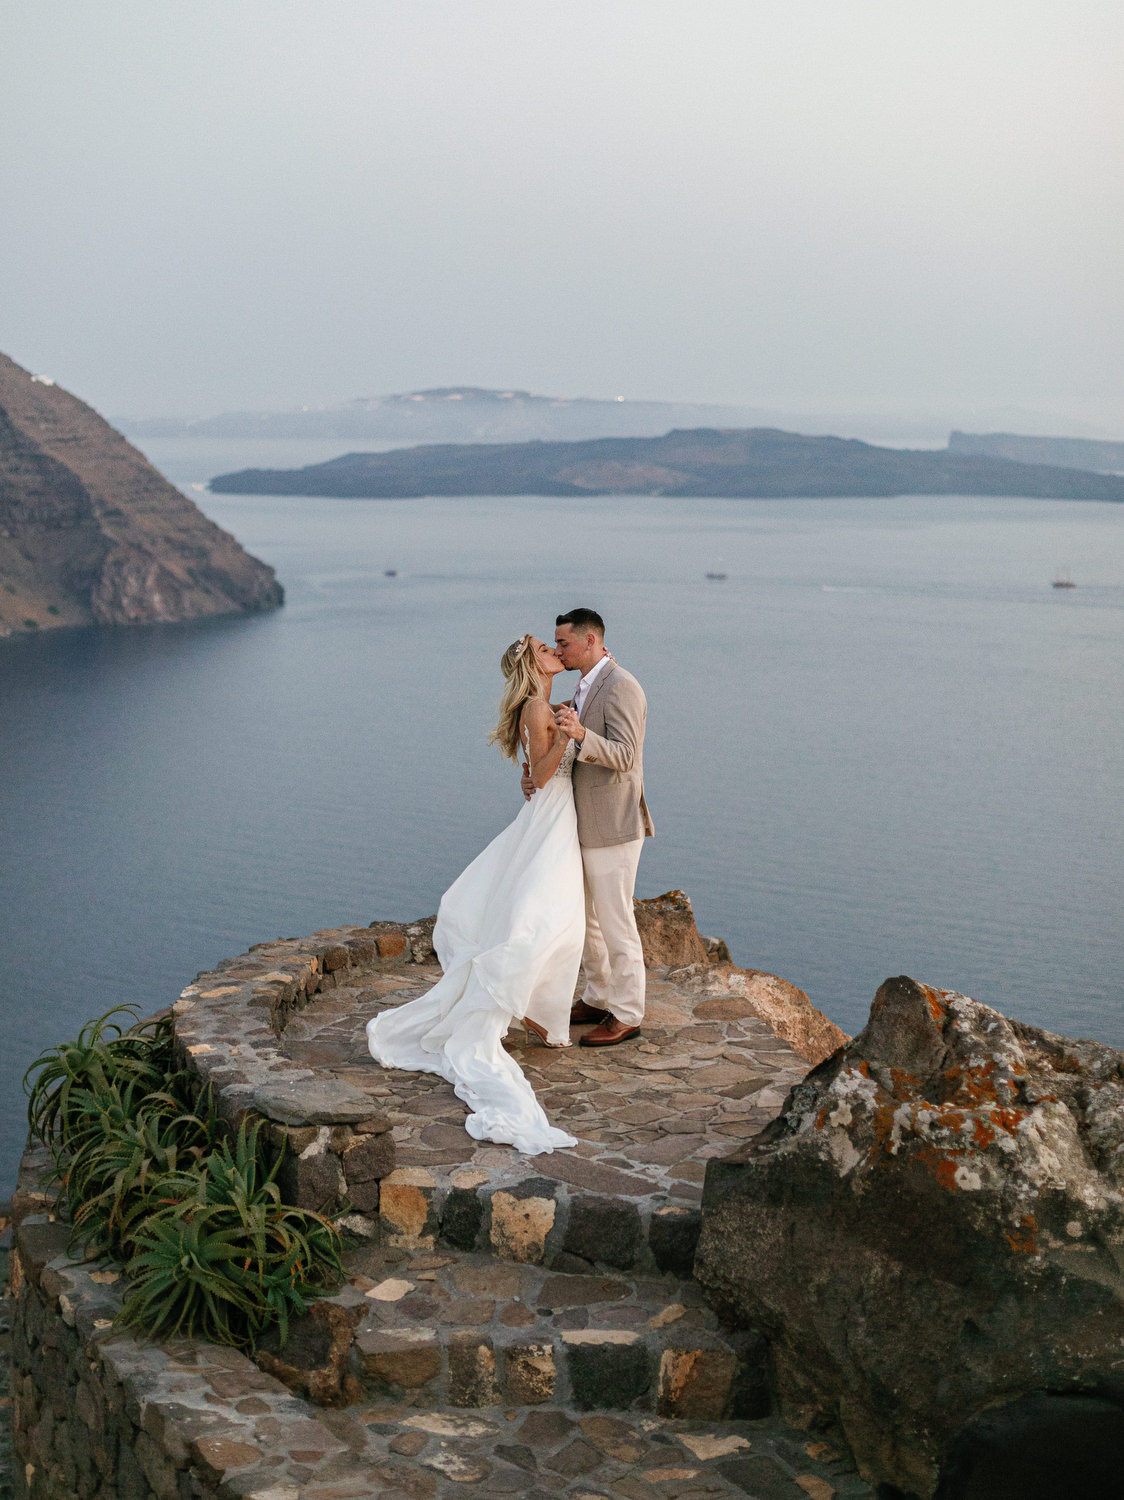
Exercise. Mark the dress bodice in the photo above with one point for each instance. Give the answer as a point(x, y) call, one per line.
point(565, 768)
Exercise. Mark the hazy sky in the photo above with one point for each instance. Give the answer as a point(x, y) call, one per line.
point(211, 204)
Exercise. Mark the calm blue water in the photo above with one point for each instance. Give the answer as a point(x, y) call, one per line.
point(884, 744)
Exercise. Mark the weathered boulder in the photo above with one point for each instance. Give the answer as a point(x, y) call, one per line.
point(791, 1016)
point(933, 1226)
point(671, 940)
point(667, 929)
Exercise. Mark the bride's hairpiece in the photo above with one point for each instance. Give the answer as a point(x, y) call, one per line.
point(522, 646)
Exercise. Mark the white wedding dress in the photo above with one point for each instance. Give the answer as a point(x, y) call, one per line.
point(509, 937)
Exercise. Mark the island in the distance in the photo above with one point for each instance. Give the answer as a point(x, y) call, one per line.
point(752, 463)
point(91, 534)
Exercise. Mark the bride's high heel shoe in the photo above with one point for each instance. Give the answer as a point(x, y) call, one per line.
point(539, 1031)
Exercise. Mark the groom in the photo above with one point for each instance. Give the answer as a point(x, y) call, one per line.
point(606, 722)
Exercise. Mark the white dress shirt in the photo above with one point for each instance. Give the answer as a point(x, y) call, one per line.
point(581, 692)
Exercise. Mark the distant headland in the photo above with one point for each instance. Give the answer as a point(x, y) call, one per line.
point(91, 534)
point(752, 463)
point(1070, 452)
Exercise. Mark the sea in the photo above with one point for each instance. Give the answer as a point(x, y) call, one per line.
point(879, 742)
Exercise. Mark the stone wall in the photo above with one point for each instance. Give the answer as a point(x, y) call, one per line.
point(100, 1415)
point(336, 1144)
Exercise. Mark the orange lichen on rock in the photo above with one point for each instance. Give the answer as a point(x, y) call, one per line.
point(946, 1231)
point(982, 1135)
point(942, 1164)
point(935, 1001)
point(1024, 1239)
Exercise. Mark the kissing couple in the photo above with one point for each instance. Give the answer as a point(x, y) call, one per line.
point(551, 893)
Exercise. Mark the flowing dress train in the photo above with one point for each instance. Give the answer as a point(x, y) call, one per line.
point(509, 937)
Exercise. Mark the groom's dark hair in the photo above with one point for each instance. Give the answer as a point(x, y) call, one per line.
point(583, 620)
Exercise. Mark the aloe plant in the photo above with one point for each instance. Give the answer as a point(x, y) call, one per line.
point(229, 1259)
point(211, 1249)
point(102, 1056)
point(121, 1161)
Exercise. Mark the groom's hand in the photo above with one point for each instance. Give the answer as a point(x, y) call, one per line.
point(527, 784)
point(569, 723)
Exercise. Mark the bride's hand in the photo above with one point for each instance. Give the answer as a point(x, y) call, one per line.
point(569, 723)
point(527, 784)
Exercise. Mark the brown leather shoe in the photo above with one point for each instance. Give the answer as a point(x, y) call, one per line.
point(582, 1014)
point(609, 1033)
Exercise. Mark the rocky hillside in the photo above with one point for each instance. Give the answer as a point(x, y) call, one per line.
point(752, 463)
point(90, 533)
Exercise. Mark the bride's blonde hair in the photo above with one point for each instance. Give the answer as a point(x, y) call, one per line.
point(523, 682)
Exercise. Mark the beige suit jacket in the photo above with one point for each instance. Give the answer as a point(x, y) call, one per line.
point(609, 765)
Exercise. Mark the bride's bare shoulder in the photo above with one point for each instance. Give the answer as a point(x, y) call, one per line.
point(535, 711)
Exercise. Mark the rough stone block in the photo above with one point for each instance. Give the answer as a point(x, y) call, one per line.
point(158, 1469)
point(314, 1182)
point(37, 1242)
point(521, 1221)
point(313, 1360)
point(696, 1383)
point(369, 1158)
point(407, 1208)
point(529, 1374)
point(472, 1372)
point(300, 1100)
point(406, 1357)
point(391, 944)
point(673, 1235)
point(606, 1375)
point(603, 1230)
point(335, 957)
point(364, 1197)
point(294, 1138)
point(362, 950)
point(461, 1218)
point(420, 935)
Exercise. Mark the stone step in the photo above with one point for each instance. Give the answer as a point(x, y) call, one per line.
point(602, 1218)
point(549, 1451)
point(466, 1330)
point(204, 1417)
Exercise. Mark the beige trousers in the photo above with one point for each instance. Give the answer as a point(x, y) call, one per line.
point(613, 958)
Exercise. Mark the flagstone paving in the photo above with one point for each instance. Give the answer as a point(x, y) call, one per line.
point(705, 1074)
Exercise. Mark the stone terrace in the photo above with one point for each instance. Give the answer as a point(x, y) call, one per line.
point(280, 1033)
point(496, 1307)
point(706, 1074)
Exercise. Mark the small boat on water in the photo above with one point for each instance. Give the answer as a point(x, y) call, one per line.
point(391, 573)
point(1063, 580)
point(716, 575)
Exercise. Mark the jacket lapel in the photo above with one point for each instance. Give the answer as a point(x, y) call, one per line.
point(602, 678)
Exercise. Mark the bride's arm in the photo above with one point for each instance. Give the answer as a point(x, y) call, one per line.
point(547, 745)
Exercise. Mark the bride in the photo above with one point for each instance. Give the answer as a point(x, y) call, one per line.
point(509, 933)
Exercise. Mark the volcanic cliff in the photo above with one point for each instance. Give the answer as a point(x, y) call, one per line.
point(91, 534)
